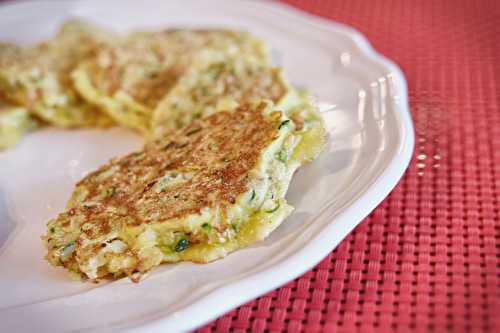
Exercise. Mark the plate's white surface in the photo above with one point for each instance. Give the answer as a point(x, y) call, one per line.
point(364, 100)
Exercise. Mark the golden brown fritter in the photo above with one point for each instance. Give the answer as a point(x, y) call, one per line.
point(216, 81)
point(196, 189)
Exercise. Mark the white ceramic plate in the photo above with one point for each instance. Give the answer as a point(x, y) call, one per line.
point(364, 100)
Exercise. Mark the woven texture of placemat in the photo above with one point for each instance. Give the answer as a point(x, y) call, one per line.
point(428, 258)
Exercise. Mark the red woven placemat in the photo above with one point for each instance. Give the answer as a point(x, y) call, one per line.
point(428, 258)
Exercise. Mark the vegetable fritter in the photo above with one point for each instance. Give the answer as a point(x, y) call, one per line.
point(216, 185)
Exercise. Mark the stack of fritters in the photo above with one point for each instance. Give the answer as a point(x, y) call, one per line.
point(224, 134)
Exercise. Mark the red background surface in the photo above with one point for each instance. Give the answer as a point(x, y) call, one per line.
point(428, 258)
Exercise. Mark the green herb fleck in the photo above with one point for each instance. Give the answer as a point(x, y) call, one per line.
point(181, 245)
point(67, 249)
point(52, 230)
point(253, 195)
point(274, 209)
point(68, 245)
point(207, 227)
point(282, 156)
point(284, 124)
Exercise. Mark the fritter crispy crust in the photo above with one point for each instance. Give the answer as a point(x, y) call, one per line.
point(214, 155)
